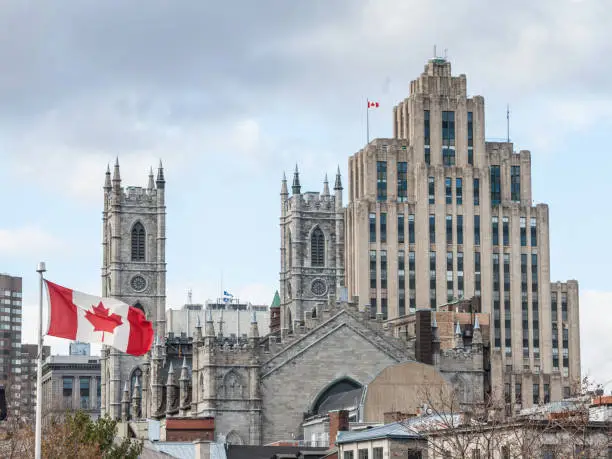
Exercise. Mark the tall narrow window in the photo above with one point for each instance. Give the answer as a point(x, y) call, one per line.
point(432, 280)
point(535, 323)
point(470, 134)
point(460, 275)
point(477, 278)
point(449, 229)
point(448, 186)
point(432, 229)
point(383, 227)
point(476, 192)
point(426, 137)
point(495, 185)
point(515, 183)
point(505, 231)
point(536, 393)
point(401, 281)
point(383, 269)
point(523, 221)
point(400, 228)
point(477, 229)
point(507, 308)
point(411, 228)
point(317, 247)
point(524, 305)
point(496, 302)
point(459, 229)
point(495, 230)
point(381, 180)
point(459, 190)
point(564, 307)
point(431, 186)
point(449, 277)
point(372, 227)
point(138, 242)
point(448, 138)
point(534, 232)
point(412, 280)
point(402, 181)
point(373, 272)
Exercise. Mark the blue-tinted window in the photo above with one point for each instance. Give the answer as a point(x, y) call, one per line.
point(381, 180)
point(495, 185)
point(432, 229)
point(505, 231)
point(448, 138)
point(432, 280)
point(401, 282)
point(476, 192)
point(449, 277)
point(523, 232)
point(459, 190)
point(515, 183)
point(564, 307)
point(449, 229)
point(459, 229)
point(426, 137)
point(460, 283)
point(383, 269)
point(477, 229)
point(411, 228)
point(448, 186)
point(534, 233)
point(383, 227)
point(372, 227)
point(373, 271)
point(495, 230)
point(477, 278)
point(496, 302)
point(402, 181)
point(470, 133)
point(400, 228)
point(431, 186)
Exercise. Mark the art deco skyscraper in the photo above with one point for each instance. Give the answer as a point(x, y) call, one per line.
point(438, 213)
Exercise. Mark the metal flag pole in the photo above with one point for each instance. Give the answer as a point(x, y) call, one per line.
point(367, 121)
point(37, 448)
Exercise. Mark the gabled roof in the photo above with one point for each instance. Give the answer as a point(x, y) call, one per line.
point(396, 430)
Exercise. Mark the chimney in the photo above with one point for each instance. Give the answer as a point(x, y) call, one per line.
point(338, 421)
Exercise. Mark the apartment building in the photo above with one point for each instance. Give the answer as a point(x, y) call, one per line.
point(29, 367)
point(10, 340)
point(438, 213)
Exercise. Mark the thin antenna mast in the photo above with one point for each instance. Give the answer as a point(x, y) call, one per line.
point(508, 123)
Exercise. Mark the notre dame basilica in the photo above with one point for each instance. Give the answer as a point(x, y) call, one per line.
point(328, 352)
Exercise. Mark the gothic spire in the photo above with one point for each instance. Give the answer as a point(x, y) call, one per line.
point(184, 370)
point(325, 186)
point(116, 173)
point(284, 191)
point(171, 380)
point(160, 176)
point(151, 184)
point(338, 184)
point(458, 337)
point(295, 188)
point(107, 178)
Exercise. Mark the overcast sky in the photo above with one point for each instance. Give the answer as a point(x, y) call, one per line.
point(231, 94)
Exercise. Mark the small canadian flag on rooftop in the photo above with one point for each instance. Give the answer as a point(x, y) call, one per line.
point(372, 104)
point(78, 316)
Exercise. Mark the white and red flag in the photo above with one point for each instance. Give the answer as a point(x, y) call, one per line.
point(92, 319)
point(372, 104)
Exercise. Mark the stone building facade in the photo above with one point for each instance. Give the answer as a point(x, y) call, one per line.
point(437, 213)
point(133, 270)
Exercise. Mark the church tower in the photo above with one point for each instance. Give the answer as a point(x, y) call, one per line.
point(312, 250)
point(133, 271)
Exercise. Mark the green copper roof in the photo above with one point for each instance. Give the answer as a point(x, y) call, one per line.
point(276, 301)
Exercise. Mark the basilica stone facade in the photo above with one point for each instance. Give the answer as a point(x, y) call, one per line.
point(258, 389)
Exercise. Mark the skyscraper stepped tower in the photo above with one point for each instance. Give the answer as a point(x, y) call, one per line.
point(438, 213)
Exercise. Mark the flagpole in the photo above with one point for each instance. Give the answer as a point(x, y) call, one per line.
point(367, 121)
point(37, 448)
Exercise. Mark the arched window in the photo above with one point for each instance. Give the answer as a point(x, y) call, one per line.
point(317, 248)
point(138, 242)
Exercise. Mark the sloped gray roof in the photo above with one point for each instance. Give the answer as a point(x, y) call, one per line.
point(394, 430)
point(340, 401)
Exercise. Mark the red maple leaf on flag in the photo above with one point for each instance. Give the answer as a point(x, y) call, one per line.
point(101, 320)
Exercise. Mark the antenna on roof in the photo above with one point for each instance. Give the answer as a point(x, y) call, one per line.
point(189, 296)
point(445, 54)
point(435, 52)
point(508, 123)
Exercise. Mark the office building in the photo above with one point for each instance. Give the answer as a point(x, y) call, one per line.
point(437, 213)
point(29, 367)
point(10, 340)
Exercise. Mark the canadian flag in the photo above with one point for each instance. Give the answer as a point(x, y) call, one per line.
point(373, 104)
point(91, 319)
